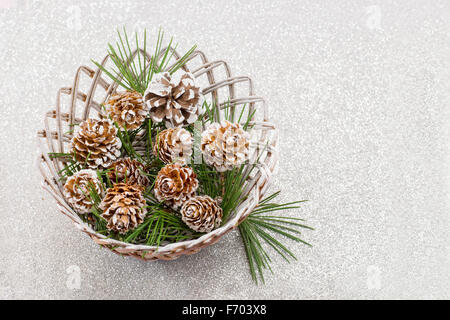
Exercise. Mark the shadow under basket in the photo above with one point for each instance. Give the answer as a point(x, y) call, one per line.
point(83, 100)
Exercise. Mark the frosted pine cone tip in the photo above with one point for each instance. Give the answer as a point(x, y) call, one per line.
point(225, 145)
point(201, 213)
point(96, 143)
point(175, 184)
point(77, 189)
point(127, 109)
point(127, 170)
point(174, 99)
point(123, 207)
point(174, 145)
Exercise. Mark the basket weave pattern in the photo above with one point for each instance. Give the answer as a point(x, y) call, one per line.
point(86, 102)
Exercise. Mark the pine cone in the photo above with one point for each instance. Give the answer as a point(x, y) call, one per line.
point(123, 207)
point(96, 143)
point(127, 170)
point(225, 145)
point(173, 98)
point(127, 108)
point(77, 189)
point(201, 213)
point(175, 184)
point(174, 145)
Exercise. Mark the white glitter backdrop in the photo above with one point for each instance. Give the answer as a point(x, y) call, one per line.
point(360, 92)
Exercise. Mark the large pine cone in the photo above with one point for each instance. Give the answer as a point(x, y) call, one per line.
point(173, 145)
point(173, 98)
point(96, 143)
point(225, 145)
point(77, 189)
point(175, 184)
point(127, 109)
point(127, 170)
point(123, 207)
point(201, 213)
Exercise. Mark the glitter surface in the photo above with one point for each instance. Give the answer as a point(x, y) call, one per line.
point(360, 93)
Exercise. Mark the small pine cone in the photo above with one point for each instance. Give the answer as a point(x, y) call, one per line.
point(127, 170)
point(175, 184)
point(123, 207)
point(127, 109)
point(225, 145)
point(201, 213)
point(77, 189)
point(174, 145)
point(96, 143)
point(173, 98)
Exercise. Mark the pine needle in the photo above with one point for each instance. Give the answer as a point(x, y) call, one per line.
point(258, 227)
point(136, 75)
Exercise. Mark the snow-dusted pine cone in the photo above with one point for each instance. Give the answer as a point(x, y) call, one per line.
point(127, 109)
point(129, 171)
point(123, 207)
point(173, 98)
point(201, 213)
point(174, 145)
point(175, 184)
point(77, 189)
point(225, 145)
point(96, 143)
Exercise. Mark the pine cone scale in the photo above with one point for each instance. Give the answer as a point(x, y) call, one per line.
point(123, 207)
point(127, 109)
point(96, 143)
point(173, 99)
point(174, 145)
point(225, 145)
point(201, 213)
point(127, 170)
point(77, 189)
point(175, 184)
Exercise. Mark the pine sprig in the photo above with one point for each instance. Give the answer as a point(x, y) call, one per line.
point(127, 139)
point(71, 166)
point(258, 229)
point(209, 180)
point(161, 225)
point(136, 75)
point(96, 199)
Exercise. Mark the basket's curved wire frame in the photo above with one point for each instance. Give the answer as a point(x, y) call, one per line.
point(53, 138)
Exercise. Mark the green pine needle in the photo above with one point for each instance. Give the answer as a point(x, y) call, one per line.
point(258, 229)
point(160, 226)
point(133, 69)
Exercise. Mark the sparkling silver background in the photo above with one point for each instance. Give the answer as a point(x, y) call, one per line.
point(360, 92)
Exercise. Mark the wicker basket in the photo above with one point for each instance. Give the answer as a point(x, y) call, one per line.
point(90, 89)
